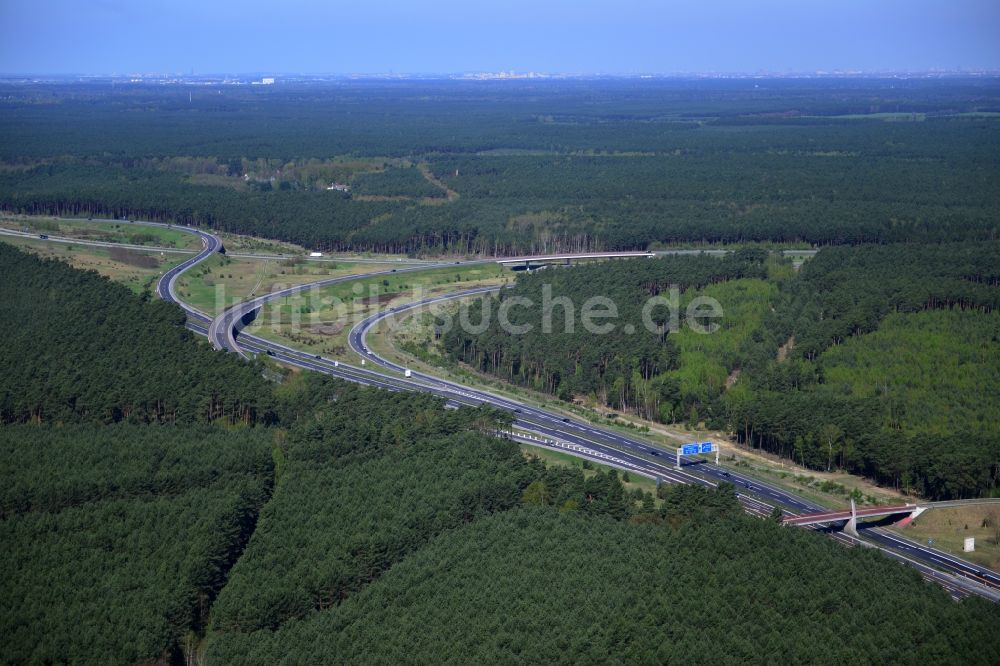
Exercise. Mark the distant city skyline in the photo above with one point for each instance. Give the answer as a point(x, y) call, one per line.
point(629, 37)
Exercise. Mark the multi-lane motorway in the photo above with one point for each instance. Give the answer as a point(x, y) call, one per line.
point(546, 428)
point(639, 456)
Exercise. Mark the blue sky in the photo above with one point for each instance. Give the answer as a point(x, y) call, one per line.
point(571, 36)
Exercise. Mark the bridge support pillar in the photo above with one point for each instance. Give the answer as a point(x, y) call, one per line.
point(852, 525)
point(913, 516)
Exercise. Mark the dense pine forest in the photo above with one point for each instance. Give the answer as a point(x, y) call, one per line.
point(892, 371)
point(881, 360)
point(567, 359)
point(513, 168)
point(116, 539)
point(164, 503)
point(339, 523)
point(536, 586)
point(81, 348)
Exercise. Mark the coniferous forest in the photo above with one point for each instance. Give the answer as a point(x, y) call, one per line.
point(515, 168)
point(107, 357)
point(806, 364)
point(162, 503)
point(353, 524)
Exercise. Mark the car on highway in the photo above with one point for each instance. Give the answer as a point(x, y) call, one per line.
point(43, 236)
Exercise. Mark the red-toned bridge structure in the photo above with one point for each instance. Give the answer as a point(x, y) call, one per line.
point(851, 516)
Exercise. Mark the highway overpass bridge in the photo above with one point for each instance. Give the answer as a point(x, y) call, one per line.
point(851, 516)
point(529, 262)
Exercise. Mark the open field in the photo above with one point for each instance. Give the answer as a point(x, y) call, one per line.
point(103, 231)
point(127, 268)
point(222, 281)
point(948, 529)
point(550, 457)
point(319, 320)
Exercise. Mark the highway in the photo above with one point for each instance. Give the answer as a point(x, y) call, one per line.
point(604, 445)
point(224, 328)
point(637, 454)
point(177, 250)
point(355, 259)
point(93, 243)
point(550, 429)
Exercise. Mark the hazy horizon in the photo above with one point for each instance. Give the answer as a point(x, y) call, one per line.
point(632, 37)
point(192, 74)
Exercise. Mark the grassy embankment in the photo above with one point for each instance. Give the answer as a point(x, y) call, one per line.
point(220, 282)
point(631, 481)
point(103, 231)
point(318, 321)
point(948, 529)
point(137, 269)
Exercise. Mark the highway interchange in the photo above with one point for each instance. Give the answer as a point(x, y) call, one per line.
point(545, 428)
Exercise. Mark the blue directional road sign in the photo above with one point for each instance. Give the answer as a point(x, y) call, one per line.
point(706, 447)
point(689, 449)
